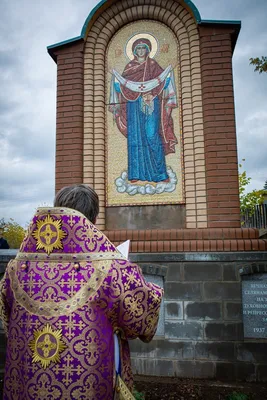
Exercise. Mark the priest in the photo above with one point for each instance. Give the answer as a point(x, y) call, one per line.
point(61, 300)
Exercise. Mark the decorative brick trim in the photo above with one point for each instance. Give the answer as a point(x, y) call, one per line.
point(253, 269)
point(205, 246)
point(222, 234)
point(154, 269)
point(190, 240)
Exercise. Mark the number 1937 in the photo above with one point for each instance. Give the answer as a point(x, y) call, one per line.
point(258, 330)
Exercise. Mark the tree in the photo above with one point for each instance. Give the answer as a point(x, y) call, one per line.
point(249, 200)
point(265, 186)
point(260, 64)
point(12, 232)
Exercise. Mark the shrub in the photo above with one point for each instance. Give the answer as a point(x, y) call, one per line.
point(12, 232)
point(237, 396)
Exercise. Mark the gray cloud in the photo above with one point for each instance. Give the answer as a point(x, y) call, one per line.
point(7, 60)
point(250, 87)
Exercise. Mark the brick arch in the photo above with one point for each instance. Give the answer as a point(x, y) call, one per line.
point(181, 22)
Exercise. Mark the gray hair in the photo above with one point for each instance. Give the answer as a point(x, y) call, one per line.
point(81, 198)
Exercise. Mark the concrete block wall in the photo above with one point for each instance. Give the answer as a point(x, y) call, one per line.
point(203, 322)
point(203, 329)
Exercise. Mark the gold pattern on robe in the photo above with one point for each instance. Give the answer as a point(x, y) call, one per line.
point(121, 391)
point(70, 256)
point(47, 346)
point(68, 369)
point(130, 279)
point(45, 388)
point(52, 308)
point(49, 234)
point(155, 299)
point(151, 322)
point(3, 311)
point(134, 305)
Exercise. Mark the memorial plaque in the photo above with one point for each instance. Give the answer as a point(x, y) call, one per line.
point(254, 298)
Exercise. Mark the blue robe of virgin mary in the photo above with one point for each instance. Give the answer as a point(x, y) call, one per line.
point(146, 159)
point(146, 156)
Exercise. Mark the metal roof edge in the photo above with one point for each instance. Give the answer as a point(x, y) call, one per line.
point(52, 46)
point(222, 22)
point(90, 16)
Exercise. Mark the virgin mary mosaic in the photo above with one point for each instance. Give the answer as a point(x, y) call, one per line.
point(144, 134)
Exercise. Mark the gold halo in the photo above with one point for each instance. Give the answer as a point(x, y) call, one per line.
point(153, 40)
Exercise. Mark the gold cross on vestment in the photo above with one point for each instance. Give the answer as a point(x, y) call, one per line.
point(31, 283)
point(46, 345)
point(67, 369)
point(71, 283)
point(48, 234)
point(70, 326)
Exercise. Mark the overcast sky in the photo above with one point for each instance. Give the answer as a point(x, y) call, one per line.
point(28, 93)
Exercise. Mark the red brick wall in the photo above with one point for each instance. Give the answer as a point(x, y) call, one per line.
point(219, 123)
point(69, 125)
point(219, 128)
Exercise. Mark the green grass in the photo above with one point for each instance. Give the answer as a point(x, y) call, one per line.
point(138, 395)
point(237, 396)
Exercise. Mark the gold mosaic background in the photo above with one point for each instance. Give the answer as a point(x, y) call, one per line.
point(116, 143)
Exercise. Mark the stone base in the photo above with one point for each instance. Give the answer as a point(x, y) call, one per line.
point(203, 330)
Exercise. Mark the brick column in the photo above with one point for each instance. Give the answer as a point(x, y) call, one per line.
point(223, 209)
point(69, 124)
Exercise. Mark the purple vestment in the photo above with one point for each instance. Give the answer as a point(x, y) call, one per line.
point(61, 300)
